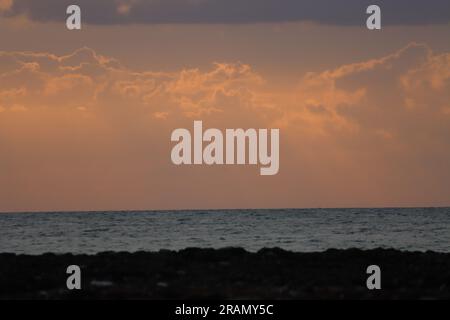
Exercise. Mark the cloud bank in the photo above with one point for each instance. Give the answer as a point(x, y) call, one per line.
point(82, 131)
point(329, 12)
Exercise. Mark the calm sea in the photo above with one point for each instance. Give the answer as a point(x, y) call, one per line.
point(416, 229)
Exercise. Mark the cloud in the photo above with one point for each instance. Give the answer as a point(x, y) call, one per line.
point(92, 80)
point(5, 5)
point(402, 96)
point(82, 131)
point(331, 12)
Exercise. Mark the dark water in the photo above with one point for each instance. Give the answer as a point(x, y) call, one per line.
point(414, 229)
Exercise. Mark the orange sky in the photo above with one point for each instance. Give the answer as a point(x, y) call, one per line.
point(86, 116)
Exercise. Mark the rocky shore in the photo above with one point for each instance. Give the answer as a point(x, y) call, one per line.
point(231, 273)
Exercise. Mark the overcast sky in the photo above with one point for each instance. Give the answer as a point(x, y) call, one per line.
point(334, 12)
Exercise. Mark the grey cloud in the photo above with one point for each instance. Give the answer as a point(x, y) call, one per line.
point(331, 12)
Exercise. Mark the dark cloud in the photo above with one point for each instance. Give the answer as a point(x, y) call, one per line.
point(332, 12)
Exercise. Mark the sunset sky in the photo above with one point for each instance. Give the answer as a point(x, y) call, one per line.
point(86, 116)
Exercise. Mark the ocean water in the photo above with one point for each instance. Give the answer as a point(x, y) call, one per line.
point(413, 229)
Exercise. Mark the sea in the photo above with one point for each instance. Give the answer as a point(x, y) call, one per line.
point(300, 230)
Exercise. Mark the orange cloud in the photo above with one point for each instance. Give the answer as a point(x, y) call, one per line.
point(5, 4)
point(368, 133)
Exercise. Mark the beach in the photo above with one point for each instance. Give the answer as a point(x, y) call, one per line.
point(230, 273)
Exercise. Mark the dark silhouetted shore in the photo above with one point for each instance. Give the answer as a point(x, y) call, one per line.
point(228, 274)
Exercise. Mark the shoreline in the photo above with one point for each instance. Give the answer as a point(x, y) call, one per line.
point(229, 273)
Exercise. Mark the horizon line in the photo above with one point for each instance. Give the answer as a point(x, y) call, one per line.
point(219, 209)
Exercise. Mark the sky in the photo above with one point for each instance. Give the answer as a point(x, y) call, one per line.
point(86, 116)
